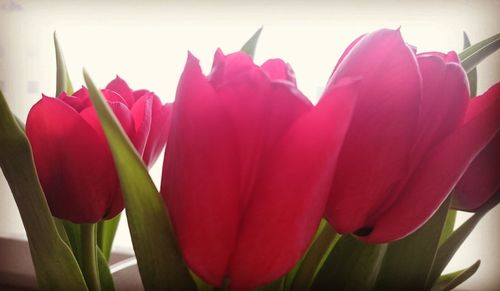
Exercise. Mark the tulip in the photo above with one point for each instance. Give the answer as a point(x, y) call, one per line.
point(413, 134)
point(72, 157)
point(481, 182)
point(247, 167)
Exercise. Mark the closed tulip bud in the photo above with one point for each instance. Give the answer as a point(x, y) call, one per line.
point(412, 136)
point(72, 157)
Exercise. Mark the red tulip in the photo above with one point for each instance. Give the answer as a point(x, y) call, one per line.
point(481, 181)
point(413, 134)
point(71, 154)
point(247, 167)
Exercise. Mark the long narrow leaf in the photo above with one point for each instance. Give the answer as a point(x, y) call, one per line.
point(314, 258)
point(251, 44)
point(472, 75)
point(352, 265)
point(63, 82)
point(158, 257)
point(451, 245)
point(473, 55)
point(105, 277)
point(407, 262)
point(452, 280)
point(56, 267)
point(106, 231)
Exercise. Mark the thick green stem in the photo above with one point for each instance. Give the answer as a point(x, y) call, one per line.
point(89, 257)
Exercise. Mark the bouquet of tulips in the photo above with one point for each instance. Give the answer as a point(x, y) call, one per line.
point(261, 189)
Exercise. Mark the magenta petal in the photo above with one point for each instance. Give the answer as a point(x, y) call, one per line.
point(121, 87)
point(277, 69)
point(160, 128)
point(200, 177)
point(73, 162)
point(291, 192)
point(376, 150)
point(481, 180)
point(440, 170)
point(226, 67)
point(445, 96)
point(142, 114)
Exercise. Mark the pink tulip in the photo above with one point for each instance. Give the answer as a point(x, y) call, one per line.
point(247, 167)
point(413, 134)
point(72, 157)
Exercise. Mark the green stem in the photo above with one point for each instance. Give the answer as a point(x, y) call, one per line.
point(313, 259)
point(89, 257)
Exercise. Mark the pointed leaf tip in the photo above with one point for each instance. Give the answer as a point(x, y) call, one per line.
point(250, 46)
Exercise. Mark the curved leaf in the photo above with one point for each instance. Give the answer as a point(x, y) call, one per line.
point(105, 277)
point(63, 82)
point(452, 280)
point(56, 267)
point(408, 261)
point(472, 75)
point(158, 257)
point(352, 265)
point(106, 231)
point(251, 44)
point(473, 55)
point(451, 245)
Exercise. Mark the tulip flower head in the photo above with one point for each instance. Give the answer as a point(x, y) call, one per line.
point(71, 154)
point(413, 134)
point(248, 166)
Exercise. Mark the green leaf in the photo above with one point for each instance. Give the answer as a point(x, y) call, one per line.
point(56, 267)
point(105, 277)
point(407, 262)
point(251, 44)
point(75, 238)
point(473, 55)
point(454, 241)
point(158, 256)
point(352, 265)
point(314, 258)
point(472, 75)
point(276, 285)
point(449, 225)
point(452, 280)
point(106, 231)
point(63, 82)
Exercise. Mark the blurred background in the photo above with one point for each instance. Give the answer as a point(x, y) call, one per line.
point(147, 44)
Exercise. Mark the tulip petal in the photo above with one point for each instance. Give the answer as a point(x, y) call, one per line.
point(141, 112)
point(440, 170)
point(160, 128)
point(347, 51)
point(376, 150)
point(248, 98)
point(481, 180)
point(291, 192)
point(445, 96)
point(73, 163)
point(226, 67)
point(121, 87)
point(200, 176)
point(277, 69)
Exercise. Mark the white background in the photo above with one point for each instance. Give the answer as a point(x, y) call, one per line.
point(146, 44)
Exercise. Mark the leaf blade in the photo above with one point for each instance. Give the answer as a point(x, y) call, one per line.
point(56, 267)
point(407, 262)
point(161, 268)
point(472, 75)
point(251, 45)
point(476, 53)
point(452, 280)
point(63, 83)
point(352, 265)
